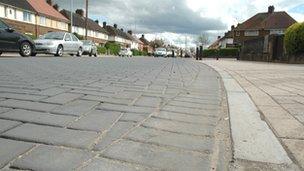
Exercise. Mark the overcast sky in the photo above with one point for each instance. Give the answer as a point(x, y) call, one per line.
point(173, 20)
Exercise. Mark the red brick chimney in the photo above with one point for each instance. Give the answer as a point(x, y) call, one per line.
point(130, 32)
point(56, 7)
point(80, 12)
point(115, 26)
point(271, 9)
point(50, 2)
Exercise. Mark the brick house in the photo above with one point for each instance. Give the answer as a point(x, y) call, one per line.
point(146, 45)
point(136, 43)
point(117, 35)
point(32, 17)
point(96, 33)
point(261, 25)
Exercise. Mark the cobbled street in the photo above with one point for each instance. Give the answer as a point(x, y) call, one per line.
point(111, 114)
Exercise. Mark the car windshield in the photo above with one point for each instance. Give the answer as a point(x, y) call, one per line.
point(87, 42)
point(161, 49)
point(54, 36)
point(3, 25)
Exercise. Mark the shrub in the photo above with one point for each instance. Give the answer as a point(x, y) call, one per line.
point(294, 39)
point(113, 48)
point(228, 52)
point(138, 53)
point(101, 50)
point(210, 52)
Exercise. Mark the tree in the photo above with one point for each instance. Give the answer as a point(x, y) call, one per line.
point(157, 43)
point(202, 40)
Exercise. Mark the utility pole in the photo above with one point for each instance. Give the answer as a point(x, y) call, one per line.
point(86, 19)
point(72, 6)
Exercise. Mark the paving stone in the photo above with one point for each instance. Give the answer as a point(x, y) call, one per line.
point(134, 117)
point(296, 147)
point(21, 96)
point(94, 93)
point(10, 150)
point(123, 108)
point(191, 111)
point(154, 156)
point(148, 101)
point(76, 108)
point(49, 158)
point(62, 98)
point(193, 105)
point(128, 95)
point(179, 127)
point(103, 164)
point(3, 109)
point(195, 119)
point(118, 130)
point(108, 100)
point(96, 120)
point(52, 135)
point(171, 139)
point(38, 117)
point(7, 124)
point(53, 91)
point(36, 106)
point(199, 101)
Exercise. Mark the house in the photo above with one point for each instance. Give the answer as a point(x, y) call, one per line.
point(262, 24)
point(117, 35)
point(136, 43)
point(224, 42)
point(96, 33)
point(215, 44)
point(146, 45)
point(33, 17)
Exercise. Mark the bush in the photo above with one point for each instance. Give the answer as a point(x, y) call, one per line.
point(210, 52)
point(101, 50)
point(228, 52)
point(138, 53)
point(113, 48)
point(294, 39)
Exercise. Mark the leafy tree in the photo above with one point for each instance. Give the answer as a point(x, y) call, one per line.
point(157, 43)
point(294, 39)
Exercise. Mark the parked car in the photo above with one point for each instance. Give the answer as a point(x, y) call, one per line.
point(160, 52)
point(12, 41)
point(125, 52)
point(59, 43)
point(89, 48)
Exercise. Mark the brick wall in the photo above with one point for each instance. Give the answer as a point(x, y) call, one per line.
point(21, 26)
point(241, 38)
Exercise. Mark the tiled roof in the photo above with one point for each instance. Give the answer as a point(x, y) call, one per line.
point(274, 20)
point(145, 41)
point(44, 8)
point(79, 21)
point(116, 32)
point(22, 4)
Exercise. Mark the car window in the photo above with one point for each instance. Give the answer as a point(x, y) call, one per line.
point(53, 35)
point(68, 37)
point(3, 25)
point(74, 38)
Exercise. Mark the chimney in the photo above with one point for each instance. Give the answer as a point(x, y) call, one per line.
point(122, 29)
point(96, 21)
point(80, 12)
point(232, 27)
point(50, 2)
point(104, 24)
point(115, 26)
point(218, 37)
point(271, 9)
point(130, 32)
point(143, 36)
point(56, 7)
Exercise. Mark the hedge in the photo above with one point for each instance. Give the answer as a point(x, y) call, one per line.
point(294, 39)
point(221, 52)
point(139, 53)
point(101, 50)
point(113, 48)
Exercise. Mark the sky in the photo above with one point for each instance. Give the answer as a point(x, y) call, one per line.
point(180, 21)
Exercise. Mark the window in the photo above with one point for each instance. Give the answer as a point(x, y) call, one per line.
point(276, 31)
point(68, 38)
point(43, 21)
point(238, 33)
point(27, 16)
point(252, 33)
point(3, 25)
point(74, 38)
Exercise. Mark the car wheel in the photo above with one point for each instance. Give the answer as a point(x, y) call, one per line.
point(25, 49)
point(96, 54)
point(0, 53)
point(33, 54)
point(59, 51)
point(79, 53)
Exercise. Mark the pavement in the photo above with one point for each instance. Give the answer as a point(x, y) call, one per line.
point(113, 114)
point(277, 94)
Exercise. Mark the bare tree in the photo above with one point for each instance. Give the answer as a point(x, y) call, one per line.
point(157, 43)
point(202, 40)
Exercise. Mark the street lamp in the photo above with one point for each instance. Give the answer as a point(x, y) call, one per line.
point(86, 19)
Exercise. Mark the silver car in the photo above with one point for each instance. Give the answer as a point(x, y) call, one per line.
point(58, 43)
point(89, 48)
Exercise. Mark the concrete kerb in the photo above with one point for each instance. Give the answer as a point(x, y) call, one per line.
point(252, 139)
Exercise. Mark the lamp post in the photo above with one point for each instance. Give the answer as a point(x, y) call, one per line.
point(86, 19)
point(72, 6)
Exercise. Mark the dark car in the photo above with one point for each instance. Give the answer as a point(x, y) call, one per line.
point(12, 41)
